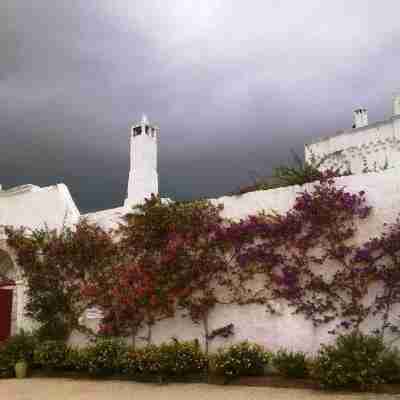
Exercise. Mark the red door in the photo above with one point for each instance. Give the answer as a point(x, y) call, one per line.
point(5, 313)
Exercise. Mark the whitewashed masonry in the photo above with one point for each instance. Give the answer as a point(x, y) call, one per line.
point(364, 148)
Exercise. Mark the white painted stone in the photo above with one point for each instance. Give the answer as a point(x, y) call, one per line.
point(369, 148)
point(143, 176)
point(35, 207)
point(107, 219)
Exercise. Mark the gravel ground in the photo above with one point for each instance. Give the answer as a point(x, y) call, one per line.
point(69, 389)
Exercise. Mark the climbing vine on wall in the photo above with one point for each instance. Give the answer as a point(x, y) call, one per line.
point(173, 260)
point(305, 257)
point(55, 265)
point(184, 257)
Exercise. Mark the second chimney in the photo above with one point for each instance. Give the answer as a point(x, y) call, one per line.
point(396, 104)
point(360, 117)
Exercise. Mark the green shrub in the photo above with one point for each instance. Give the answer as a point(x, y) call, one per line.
point(175, 360)
point(179, 359)
point(76, 360)
point(104, 357)
point(50, 354)
point(143, 361)
point(298, 172)
point(17, 348)
point(243, 359)
point(292, 364)
point(355, 361)
point(52, 330)
point(390, 365)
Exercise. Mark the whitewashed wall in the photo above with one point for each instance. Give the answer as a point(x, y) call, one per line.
point(32, 207)
point(252, 322)
point(372, 147)
point(35, 207)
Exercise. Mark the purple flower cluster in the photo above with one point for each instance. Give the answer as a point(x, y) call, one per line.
point(362, 255)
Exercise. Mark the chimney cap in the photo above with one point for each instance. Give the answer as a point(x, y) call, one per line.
point(360, 117)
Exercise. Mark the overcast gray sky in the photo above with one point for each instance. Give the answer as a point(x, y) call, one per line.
point(233, 85)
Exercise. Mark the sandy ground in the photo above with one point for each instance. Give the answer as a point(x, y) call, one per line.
point(68, 389)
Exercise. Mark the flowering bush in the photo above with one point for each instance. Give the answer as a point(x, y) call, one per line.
point(292, 364)
point(104, 357)
point(171, 260)
point(179, 359)
point(50, 354)
point(243, 359)
point(355, 361)
point(174, 360)
point(143, 361)
point(55, 265)
point(76, 360)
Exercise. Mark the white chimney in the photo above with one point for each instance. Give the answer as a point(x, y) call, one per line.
point(360, 117)
point(396, 104)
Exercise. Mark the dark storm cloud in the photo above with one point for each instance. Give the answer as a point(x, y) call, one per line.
point(233, 85)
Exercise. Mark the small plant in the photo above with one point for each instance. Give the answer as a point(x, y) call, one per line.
point(355, 361)
point(243, 359)
point(17, 348)
point(298, 172)
point(76, 360)
point(105, 357)
point(143, 362)
point(291, 364)
point(180, 359)
point(50, 354)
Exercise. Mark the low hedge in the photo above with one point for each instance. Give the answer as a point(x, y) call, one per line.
point(104, 357)
point(354, 361)
point(50, 354)
point(243, 359)
point(107, 357)
point(175, 360)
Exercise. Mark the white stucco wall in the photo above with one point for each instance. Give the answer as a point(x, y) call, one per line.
point(371, 147)
point(32, 207)
point(35, 207)
point(107, 219)
point(252, 322)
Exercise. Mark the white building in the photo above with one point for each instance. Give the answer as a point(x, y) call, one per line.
point(35, 207)
point(363, 148)
point(378, 143)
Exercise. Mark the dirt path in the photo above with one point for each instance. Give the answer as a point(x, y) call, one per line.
point(68, 389)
